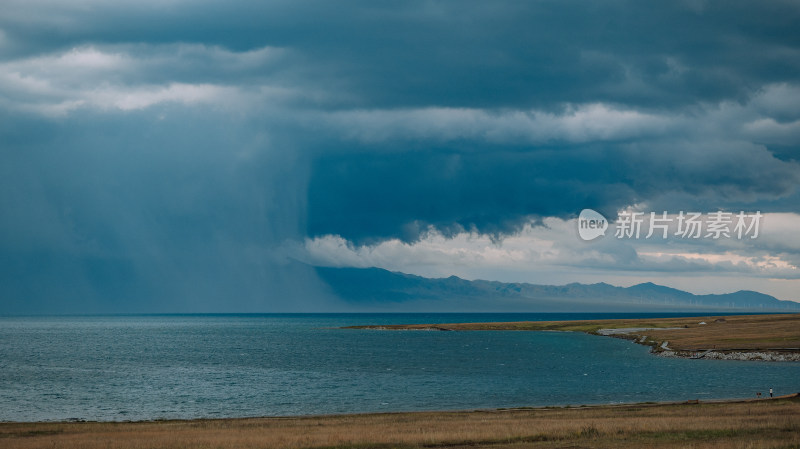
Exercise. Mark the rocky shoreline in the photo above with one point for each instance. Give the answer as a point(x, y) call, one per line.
point(762, 356)
point(662, 349)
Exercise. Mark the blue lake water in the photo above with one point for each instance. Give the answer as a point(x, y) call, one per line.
point(150, 367)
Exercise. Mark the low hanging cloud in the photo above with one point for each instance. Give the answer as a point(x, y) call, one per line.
point(551, 252)
point(554, 243)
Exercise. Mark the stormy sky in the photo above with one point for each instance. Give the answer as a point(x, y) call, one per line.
point(203, 156)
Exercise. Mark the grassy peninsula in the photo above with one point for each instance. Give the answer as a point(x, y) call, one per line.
point(766, 336)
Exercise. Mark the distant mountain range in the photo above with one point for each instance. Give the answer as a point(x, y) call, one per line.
point(375, 288)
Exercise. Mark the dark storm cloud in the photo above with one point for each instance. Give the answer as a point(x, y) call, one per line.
point(492, 190)
point(714, 68)
point(155, 214)
point(167, 149)
point(459, 53)
point(365, 196)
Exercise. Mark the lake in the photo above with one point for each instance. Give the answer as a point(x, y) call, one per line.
point(115, 368)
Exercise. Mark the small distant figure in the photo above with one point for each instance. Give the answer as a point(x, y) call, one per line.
point(758, 395)
point(770, 392)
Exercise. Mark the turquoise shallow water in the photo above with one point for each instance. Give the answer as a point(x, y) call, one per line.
point(151, 367)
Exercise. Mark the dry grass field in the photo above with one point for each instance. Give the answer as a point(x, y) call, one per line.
point(752, 332)
point(766, 423)
point(735, 332)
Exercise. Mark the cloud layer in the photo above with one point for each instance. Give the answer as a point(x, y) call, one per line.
point(164, 155)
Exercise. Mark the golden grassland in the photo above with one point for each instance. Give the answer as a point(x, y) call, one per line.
point(751, 332)
point(765, 423)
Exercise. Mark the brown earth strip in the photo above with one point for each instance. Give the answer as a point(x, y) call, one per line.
point(766, 423)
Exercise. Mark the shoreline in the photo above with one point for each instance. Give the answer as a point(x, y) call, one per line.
point(771, 422)
point(609, 405)
point(761, 356)
point(774, 338)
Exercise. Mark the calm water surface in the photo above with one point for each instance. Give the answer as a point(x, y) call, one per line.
point(151, 367)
